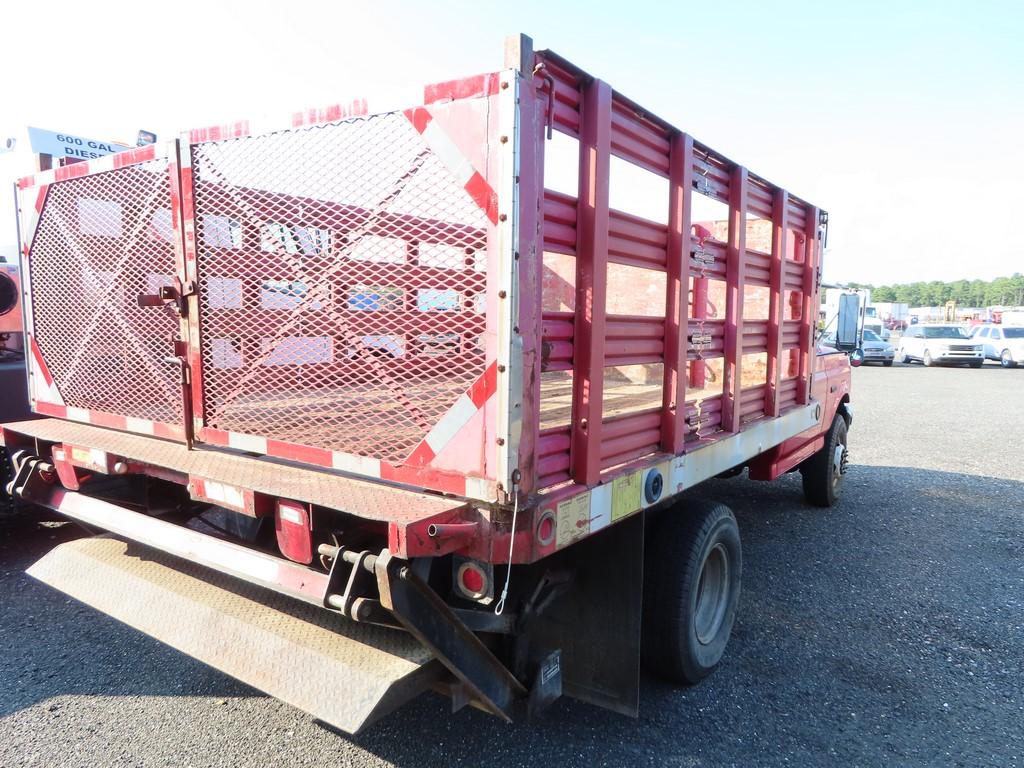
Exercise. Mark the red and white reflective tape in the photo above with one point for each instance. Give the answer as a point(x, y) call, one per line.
point(110, 420)
point(44, 387)
point(32, 212)
point(455, 161)
point(476, 87)
point(363, 466)
point(95, 165)
point(469, 402)
point(331, 114)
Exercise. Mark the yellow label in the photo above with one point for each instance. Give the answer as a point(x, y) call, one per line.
point(83, 455)
point(573, 519)
point(626, 495)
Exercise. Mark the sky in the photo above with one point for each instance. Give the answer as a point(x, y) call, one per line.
point(905, 120)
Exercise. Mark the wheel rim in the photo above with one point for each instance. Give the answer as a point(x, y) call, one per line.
point(1005, 358)
point(840, 458)
point(712, 595)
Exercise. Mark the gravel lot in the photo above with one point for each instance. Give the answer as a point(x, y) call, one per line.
point(888, 630)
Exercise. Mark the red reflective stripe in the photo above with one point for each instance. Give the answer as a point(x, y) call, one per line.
point(40, 363)
point(109, 420)
point(330, 114)
point(26, 181)
point(303, 453)
point(218, 132)
point(168, 431)
point(215, 436)
point(485, 386)
point(419, 117)
point(424, 477)
point(483, 195)
point(72, 171)
point(423, 454)
point(133, 156)
point(51, 409)
point(41, 198)
point(464, 88)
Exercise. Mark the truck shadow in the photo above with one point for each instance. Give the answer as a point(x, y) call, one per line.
point(848, 617)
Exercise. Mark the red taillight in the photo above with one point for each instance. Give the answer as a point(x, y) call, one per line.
point(294, 535)
point(473, 581)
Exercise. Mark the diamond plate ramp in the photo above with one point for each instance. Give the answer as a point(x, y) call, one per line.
point(344, 673)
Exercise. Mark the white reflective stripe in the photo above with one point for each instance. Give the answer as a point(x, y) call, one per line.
point(360, 465)
point(98, 457)
point(480, 488)
point(78, 414)
point(450, 154)
point(139, 425)
point(600, 506)
point(55, 395)
point(451, 423)
point(247, 442)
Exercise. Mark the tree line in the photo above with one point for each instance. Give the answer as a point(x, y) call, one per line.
point(1007, 291)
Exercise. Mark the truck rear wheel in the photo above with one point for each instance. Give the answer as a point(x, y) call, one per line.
point(692, 577)
point(823, 472)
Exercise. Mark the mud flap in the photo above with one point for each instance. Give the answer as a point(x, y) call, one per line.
point(344, 673)
point(596, 621)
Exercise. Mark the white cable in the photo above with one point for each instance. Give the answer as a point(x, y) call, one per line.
point(511, 546)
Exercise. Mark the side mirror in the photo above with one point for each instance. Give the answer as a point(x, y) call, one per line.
point(857, 357)
point(847, 322)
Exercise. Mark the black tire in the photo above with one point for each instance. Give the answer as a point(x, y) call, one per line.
point(692, 578)
point(1006, 359)
point(823, 472)
point(976, 363)
point(927, 359)
point(887, 363)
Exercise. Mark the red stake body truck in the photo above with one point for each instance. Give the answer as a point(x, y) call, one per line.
point(395, 397)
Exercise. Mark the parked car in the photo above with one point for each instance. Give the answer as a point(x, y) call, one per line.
point(875, 349)
point(931, 344)
point(1001, 342)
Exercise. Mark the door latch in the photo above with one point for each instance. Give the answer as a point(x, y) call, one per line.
point(167, 294)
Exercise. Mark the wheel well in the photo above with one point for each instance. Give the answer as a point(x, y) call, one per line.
point(842, 410)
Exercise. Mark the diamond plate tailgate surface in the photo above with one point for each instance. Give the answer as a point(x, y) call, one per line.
point(344, 673)
point(373, 501)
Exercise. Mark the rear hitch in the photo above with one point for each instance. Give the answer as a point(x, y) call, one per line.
point(32, 475)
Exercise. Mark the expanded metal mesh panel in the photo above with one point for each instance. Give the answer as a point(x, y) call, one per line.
point(103, 240)
point(342, 276)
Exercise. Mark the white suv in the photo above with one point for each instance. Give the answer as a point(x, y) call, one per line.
point(933, 344)
point(1001, 342)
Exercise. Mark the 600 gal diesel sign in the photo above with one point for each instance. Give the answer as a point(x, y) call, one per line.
point(65, 145)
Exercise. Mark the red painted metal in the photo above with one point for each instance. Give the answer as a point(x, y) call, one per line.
point(591, 281)
point(735, 270)
point(780, 234)
point(810, 302)
point(673, 421)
